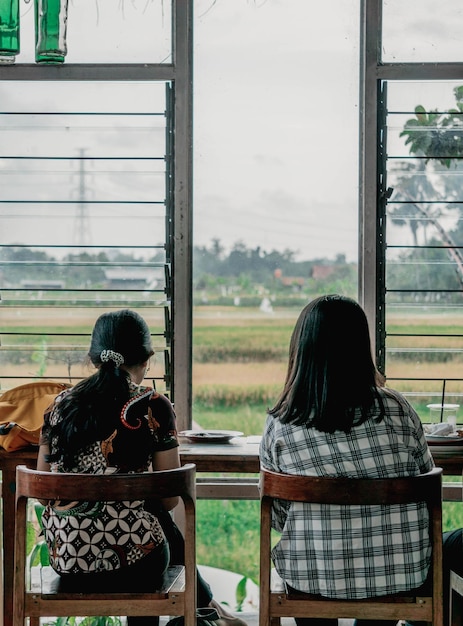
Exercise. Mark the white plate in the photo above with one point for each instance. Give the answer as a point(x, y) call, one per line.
point(444, 440)
point(210, 436)
point(446, 450)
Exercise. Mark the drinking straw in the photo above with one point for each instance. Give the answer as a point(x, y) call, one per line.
point(442, 402)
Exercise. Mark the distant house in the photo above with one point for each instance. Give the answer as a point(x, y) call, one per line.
point(292, 281)
point(296, 282)
point(134, 278)
point(319, 272)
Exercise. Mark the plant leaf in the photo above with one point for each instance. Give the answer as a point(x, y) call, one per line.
point(241, 593)
point(39, 508)
point(34, 558)
point(44, 554)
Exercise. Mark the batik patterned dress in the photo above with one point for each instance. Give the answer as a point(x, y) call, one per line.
point(86, 537)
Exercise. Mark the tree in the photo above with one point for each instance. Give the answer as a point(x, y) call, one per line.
point(430, 187)
point(437, 135)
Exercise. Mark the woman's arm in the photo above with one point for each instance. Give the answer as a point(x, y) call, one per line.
point(44, 451)
point(164, 460)
point(44, 447)
point(42, 464)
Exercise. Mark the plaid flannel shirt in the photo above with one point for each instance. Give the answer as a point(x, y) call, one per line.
point(351, 551)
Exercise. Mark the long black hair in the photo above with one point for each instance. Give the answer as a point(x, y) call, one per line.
point(91, 410)
point(331, 382)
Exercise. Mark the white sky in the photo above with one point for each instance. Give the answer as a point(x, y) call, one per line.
point(276, 125)
point(275, 105)
point(275, 112)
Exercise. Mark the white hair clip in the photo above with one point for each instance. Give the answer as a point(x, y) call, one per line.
point(110, 355)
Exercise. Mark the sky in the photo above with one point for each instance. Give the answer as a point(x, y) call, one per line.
point(276, 125)
point(275, 114)
point(275, 109)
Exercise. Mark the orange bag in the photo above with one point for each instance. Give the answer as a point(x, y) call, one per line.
point(21, 413)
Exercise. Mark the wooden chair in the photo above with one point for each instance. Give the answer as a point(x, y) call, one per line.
point(178, 595)
point(275, 604)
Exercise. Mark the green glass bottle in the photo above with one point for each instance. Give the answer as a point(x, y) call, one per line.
point(9, 30)
point(50, 30)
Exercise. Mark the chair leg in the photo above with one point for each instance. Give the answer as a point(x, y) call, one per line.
point(34, 621)
point(275, 621)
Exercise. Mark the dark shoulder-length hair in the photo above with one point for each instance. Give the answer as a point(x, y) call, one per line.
point(331, 382)
point(90, 411)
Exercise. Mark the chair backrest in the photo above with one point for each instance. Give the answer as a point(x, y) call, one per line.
point(179, 482)
point(352, 491)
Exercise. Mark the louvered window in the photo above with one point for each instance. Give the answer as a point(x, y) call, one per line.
point(86, 216)
point(412, 173)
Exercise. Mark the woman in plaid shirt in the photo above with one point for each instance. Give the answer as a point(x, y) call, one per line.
point(334, 417)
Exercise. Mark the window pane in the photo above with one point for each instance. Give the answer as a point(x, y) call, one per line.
point(424, 262)
point(83, 220)
point(108, 31)
point(422, 31)
point(276, 190)
point(81, 165)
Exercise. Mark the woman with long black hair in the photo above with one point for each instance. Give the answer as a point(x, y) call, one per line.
point(110, 422)
point(335, 417)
